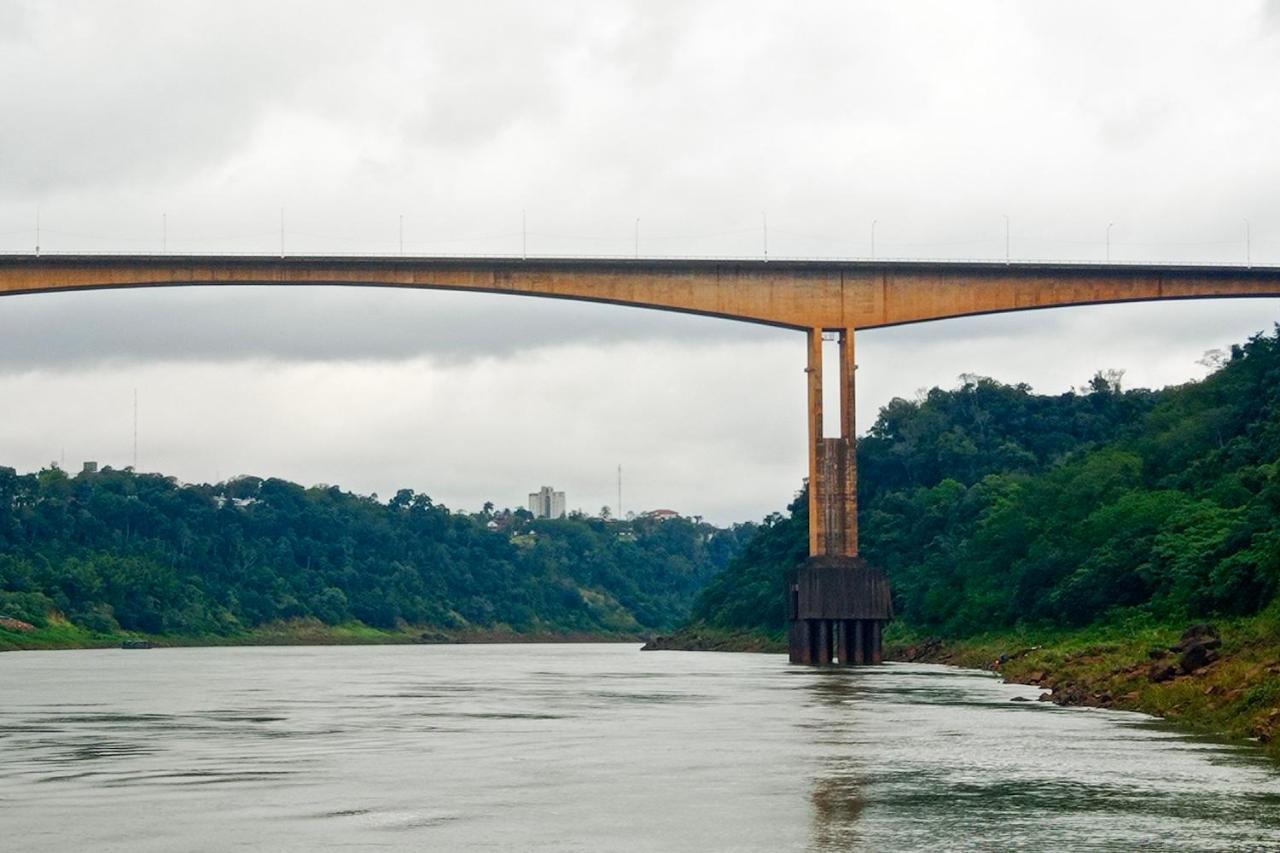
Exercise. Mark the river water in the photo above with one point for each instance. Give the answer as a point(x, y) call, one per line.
point(587, 748)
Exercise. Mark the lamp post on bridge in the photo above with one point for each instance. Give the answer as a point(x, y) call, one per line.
point(1109, 225)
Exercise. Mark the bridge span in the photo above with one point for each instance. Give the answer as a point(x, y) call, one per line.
point(790, 293)
point(837, 604)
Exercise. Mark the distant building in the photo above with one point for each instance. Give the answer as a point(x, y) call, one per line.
point(546, 503)
point(90, 468)
point(661, 514)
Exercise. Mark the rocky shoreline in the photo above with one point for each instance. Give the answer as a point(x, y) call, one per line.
point(1219, 679)
point(16, 635)
point(699, 638)
point(1200, 681)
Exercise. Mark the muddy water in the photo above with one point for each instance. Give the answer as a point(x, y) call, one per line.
point(587, 747)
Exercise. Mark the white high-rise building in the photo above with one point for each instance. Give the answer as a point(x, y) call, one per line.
point(546, 503)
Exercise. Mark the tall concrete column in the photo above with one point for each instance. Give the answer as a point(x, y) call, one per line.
point(849, 449)
point(817, 531)
point(835, 587)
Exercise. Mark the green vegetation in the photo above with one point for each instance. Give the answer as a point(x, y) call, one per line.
point(87, 558)
point(993, 508)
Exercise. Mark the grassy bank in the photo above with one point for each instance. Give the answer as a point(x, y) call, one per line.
point(61, 634)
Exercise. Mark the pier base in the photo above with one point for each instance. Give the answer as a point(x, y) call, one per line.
point(839, 606)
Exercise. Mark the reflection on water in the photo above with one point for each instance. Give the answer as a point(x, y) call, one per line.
point(588, 748)
point(837, 795)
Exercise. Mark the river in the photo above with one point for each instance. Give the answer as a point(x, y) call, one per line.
point(588, 748)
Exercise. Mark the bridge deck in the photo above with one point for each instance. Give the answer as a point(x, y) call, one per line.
point(789, 293)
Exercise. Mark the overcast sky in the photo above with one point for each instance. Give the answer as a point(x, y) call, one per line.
point(190, 126)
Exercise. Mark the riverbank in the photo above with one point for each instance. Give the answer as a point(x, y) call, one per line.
point(61, 634)
point(703, 638)
point(1221, 679)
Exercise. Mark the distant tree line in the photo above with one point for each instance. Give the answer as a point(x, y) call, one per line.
point(991, 506)
point(115, 549)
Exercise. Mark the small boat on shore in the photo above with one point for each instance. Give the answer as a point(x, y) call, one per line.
point(136, 644)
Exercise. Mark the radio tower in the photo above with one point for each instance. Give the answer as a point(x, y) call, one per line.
point(619, 493)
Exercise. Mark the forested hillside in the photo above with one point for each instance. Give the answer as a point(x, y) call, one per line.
point(114, 549)
point(990, 506)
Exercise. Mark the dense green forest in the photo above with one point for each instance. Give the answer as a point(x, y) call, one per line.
point(115, 550)
point(991, 506)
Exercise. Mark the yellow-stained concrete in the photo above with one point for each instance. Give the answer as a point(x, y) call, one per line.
point(795, 294)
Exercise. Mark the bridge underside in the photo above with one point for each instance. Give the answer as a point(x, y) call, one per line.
point(794, 294)
point(837, 604)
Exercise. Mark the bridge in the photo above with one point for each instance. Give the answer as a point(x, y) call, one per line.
point(837, 604)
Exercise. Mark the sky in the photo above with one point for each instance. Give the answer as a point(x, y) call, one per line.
point(595, 128)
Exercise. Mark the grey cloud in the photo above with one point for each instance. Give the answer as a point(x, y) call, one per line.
point(936, 119)
point(13, 21)
point(148, 93)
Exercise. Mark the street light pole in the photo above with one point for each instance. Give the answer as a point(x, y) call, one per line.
point(1109, 224)
point(1006, 238)
point(1248, 247)
point(873, 238)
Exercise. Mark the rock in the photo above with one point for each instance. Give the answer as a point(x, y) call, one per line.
point(16, 624)
point(1157, 653)
point(660, 644)
point(1071, 694)
point(1161, 671)
point(1045, 697)
point(926, 650)
point(1202, 634)
point(1195, 656)
point(1264, 728)
point(1019, 699)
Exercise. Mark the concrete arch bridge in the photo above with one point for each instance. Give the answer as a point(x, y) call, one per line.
point(837, 603)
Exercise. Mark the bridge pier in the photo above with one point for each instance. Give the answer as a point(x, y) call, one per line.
point(837, 603)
